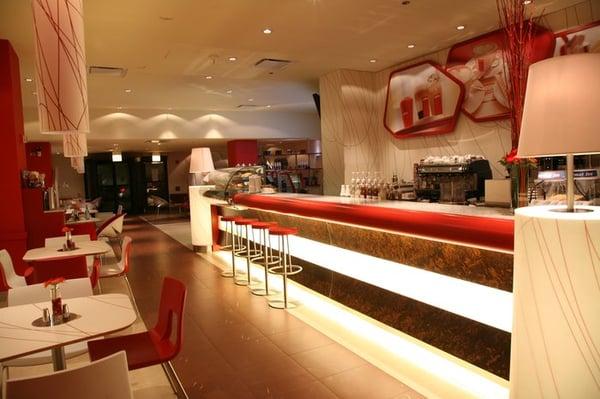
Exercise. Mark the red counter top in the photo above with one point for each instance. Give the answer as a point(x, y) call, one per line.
point(480, 231)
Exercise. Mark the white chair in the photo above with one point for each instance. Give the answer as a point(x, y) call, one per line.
point(12, 278)
point(120, 268)
point(35, 293)
point(112, 228)
point(104, 378)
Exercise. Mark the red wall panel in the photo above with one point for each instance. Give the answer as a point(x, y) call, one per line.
point(242, 152)
point(12, 154)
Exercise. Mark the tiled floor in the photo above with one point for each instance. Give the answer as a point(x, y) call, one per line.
point(235, 345)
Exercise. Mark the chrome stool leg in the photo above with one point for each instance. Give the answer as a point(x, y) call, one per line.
point(285, 268)
point(267, 259)
point(229, 237)
point(240, 250)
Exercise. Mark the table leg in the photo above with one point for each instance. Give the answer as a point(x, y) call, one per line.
point(58, 358)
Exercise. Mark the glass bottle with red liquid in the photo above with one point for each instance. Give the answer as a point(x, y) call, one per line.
point(56, 303)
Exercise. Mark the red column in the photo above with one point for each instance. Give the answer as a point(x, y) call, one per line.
point(12, 155)
point(242, 152)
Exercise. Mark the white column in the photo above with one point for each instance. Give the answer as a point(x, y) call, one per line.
point(555, 349)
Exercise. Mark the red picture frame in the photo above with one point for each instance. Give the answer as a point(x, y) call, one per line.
point(479, 64)
point(432, 119)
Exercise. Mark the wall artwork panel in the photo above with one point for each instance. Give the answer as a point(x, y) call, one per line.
point(581, 39)
point(422, 99)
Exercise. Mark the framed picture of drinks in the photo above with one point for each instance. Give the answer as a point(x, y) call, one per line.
point(422, 99)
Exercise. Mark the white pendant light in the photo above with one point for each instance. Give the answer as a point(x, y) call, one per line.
point(74, 145)
point(78, 164)
point(61, 68)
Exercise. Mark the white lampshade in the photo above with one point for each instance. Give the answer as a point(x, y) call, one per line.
point(561, 114)
point(61, 78)
point(74, 145)
point(201, 160)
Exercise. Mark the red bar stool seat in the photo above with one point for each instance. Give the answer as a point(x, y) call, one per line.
point(284, 267)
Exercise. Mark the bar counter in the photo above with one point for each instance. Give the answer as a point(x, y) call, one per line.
point(439, 273)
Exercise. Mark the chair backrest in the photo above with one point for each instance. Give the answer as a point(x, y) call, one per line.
point(104, 378)
point(60, 240)
point(172, 303)
point(35, 293)
point(120, 209)
point(125, 254)
point(12, 278)
point(112, 227)
point(69, 268)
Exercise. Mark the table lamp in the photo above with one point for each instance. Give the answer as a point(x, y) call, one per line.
point(556, 278)
point(561, 111)
point(201, 162)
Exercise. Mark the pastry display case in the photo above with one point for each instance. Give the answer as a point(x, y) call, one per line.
point(230, 181)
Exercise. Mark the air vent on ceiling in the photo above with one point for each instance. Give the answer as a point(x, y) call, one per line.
point(249, 106)
point(272, 64)
point(107, 71)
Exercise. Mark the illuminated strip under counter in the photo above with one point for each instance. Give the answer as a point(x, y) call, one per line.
point(486, 305)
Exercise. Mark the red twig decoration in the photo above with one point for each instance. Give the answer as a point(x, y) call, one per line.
point(519, 30)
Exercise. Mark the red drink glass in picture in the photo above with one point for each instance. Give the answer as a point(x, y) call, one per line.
point(406, 109)
point(55, 298)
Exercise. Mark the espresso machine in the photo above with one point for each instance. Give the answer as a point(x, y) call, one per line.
point(451, 179)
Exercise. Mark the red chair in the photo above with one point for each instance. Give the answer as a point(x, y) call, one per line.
point(74, 267)
point(154, 346)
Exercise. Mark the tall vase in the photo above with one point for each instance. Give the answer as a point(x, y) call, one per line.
point(519, 183)
point(56, 300)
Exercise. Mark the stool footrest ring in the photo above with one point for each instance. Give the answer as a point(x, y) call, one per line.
point(291, 269)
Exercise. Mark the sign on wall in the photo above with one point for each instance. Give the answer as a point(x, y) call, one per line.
point(422, 99)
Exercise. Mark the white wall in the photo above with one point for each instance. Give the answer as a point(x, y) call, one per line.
point(355, 139)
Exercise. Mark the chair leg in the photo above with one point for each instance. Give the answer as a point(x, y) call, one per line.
point(137, 311)
point(174, 380)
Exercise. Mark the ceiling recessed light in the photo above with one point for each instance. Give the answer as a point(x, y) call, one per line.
point(232, 59)
point(155, 141)
point(411, 46)
point(525, 2)
point(460, 27)
point(208, 77)
point(250, 99)
point(372, 60)
point(29, 80)
point(119, 107)
point(34, 93)
point(267, 31)
point(268, 106)
point(229, 91)
point(127, 90)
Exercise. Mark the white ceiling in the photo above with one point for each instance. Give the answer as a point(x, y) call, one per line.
point(169, 46)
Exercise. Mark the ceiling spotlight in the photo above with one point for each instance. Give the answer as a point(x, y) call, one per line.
point(119, 107)
point(229, 91)
point(526, 2)
point(155, 141)
point(250, 99)
point(29, 80)
point(372, 60)
point(460, 27)
point(267, 31)
point(232, 59)
point(411, 46)
point(268, 106)
point(34, 93)
point(127, 90)
point(208, 77)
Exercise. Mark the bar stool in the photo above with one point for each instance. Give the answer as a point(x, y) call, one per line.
point(229, 237)
point(242, 224)
point(284, 267)
point(266, 257)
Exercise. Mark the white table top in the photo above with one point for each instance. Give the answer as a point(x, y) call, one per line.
point(70, 211)
point(100, 315)
point(85, 248)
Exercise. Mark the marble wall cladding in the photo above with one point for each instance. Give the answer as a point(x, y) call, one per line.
point(486, 267)
point(476, 343)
